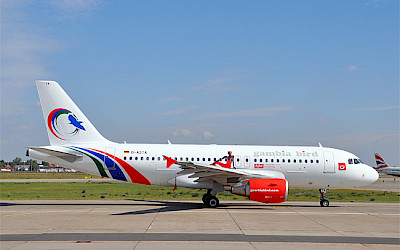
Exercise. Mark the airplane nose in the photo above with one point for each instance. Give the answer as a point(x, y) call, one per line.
point(370, 175)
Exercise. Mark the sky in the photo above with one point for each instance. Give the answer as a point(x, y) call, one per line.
point(208, 72)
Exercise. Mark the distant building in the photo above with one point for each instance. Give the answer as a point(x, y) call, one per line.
point(54, 169)
point(21, 167)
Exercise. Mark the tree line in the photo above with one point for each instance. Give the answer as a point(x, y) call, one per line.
point(18, 161)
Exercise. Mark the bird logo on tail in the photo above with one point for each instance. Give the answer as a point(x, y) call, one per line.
point(64, 124)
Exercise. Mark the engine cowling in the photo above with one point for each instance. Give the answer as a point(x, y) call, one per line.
point(263, 190)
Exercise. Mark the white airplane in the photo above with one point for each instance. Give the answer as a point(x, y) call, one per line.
point(262, 173)
point(383, 167)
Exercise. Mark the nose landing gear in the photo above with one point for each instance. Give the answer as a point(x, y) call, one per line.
point(322, 200)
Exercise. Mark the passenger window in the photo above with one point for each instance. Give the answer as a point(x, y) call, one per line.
point(283, 160)
point(153, 158)
point(192, 159)
point(356, 161)
point(209, 159)
point(215, 159)
point(299, 161)
point(176, 158)
point(266, 160)
point(141, 158)
point(187, 158)
point(311, 161)
point(277, 160)
point(130, 158)
point(272, 160)
point(305, 161)
point(350, 161)
point(181, 158)
point(317, 161)
point(255, 160)
point(136, 158)
point(237, 159)
point(204, 159)
point(247, 159)
point(158, 158)
point(147, 158)
point(288, 160)
point(294, 160)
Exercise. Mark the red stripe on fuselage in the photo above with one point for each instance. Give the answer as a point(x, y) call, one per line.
point(135, 176)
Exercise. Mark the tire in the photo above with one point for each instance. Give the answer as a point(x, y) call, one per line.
point(204, 198)
point(324, 203)
point(212, 202)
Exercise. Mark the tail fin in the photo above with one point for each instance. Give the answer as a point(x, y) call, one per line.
point(380, 162)
point(65, 122)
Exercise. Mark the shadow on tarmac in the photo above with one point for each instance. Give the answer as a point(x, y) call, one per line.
point(169, 206)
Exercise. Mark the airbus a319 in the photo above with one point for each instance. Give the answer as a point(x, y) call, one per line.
point(261, 173)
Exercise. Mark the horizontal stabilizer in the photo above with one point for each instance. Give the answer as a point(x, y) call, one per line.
point(54, 151)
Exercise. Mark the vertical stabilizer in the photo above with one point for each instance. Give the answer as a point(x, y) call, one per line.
point(65, 122)
point(380, 162)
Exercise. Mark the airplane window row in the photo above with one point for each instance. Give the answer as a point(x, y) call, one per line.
point(355, 161)
point(237, 159)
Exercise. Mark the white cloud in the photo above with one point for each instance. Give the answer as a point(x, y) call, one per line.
point(170, 99)
point(180, 110)
point(257, 112)
point(373, 3)
point(72, 9)
point(350, 68)
point(383, 108)
point(207, 135)
point(182, 132)
point(224, 82)
point(323, 121)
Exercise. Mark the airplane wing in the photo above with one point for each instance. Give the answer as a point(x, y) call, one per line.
point(219, 174)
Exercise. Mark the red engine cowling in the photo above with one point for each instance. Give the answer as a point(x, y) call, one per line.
point(263, 190)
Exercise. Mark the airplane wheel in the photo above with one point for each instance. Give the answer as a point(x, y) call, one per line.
point(205, 197)
point(324, 203)
point(212, 202)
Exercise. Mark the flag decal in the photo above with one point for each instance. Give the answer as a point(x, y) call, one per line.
point(342, 166)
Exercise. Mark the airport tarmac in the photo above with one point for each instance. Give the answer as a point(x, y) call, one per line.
point(125, 224)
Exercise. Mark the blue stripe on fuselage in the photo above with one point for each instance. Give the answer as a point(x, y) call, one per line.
point(111, 165)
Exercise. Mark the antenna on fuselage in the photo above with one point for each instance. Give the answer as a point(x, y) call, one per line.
point(320, 145)
point(169, 142)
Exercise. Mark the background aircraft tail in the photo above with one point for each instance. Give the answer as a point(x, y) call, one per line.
point(380, 162)
point(65, 122)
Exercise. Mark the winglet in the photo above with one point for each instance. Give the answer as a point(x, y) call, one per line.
point(170, 161)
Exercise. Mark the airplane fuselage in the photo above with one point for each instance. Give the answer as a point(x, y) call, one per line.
point(302, 167)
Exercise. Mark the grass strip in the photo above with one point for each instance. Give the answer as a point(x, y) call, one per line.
point(125, 191)
point(34, 175)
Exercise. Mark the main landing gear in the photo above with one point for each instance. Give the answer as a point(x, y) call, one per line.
point(209, 200)
point(322, 200)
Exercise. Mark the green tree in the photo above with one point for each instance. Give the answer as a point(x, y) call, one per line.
point(17, 161)
point(2, 163)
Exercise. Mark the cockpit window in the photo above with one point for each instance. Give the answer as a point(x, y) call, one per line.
point(356, 161)
point(350, 161)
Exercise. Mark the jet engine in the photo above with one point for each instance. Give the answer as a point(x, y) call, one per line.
point(263, 190)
